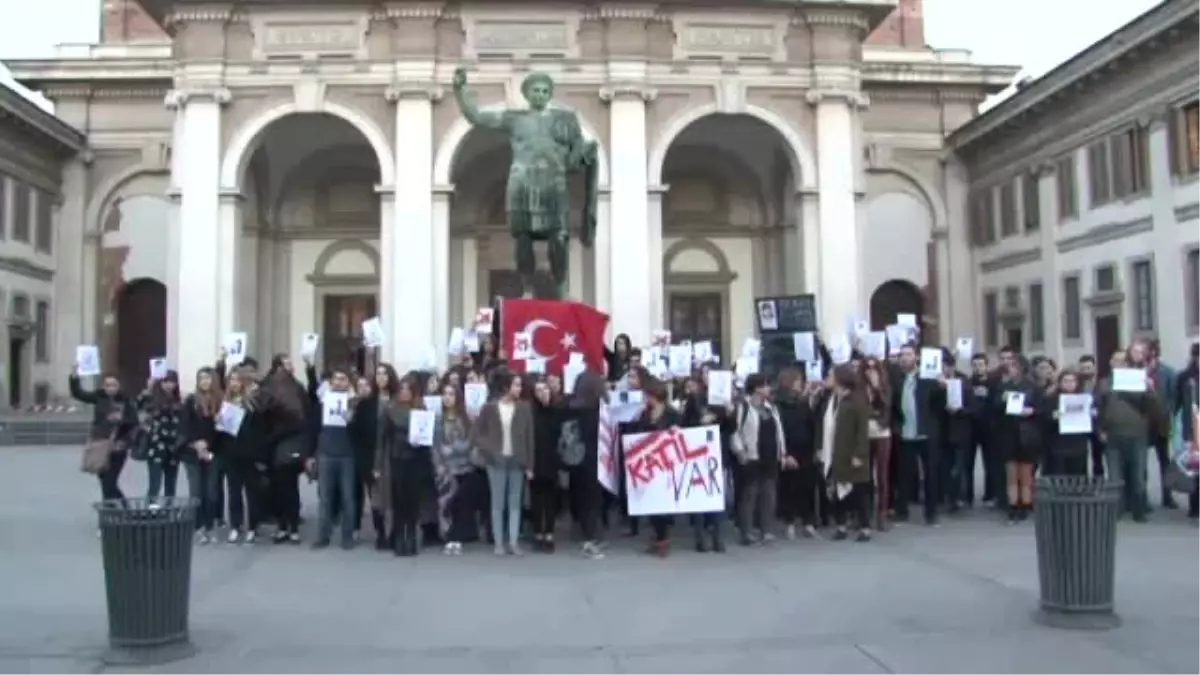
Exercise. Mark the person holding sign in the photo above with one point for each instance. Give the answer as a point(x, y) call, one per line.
point(1017, 432)
point(114, 419)
point(618, 357)
point(843, 446)
point(364, 431)
point(330, 457)
point(162, 405)
point(238, 453)
point(504, 434)
point(699, 411)
point(957, 405)
point(916, 414)
point(1067, 447)
point(453, 468)
point(1127, 419)
point(404, 471)
point(199, 438)
point(658, 415)
point(760, 448)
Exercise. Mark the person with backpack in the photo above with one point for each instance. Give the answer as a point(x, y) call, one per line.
point(759, 446)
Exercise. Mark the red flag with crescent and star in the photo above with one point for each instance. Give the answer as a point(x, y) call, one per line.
point(555, 328)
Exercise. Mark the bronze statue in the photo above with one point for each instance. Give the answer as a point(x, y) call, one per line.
point(547, 144)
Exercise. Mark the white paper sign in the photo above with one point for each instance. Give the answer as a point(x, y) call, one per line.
point(1014, 403)
point(813, 370)
point(483, 320)
point(897, 337)
point(235, 348)
point(964, 348)
point(309, 342)
point(372, 330)
point(475, 395)
point(571, 373)
point(470, 341)
point(702, 351)
point(576, 358)
point(751, 348)
point(660, 338)
point(954, 394)
point(874, 344)
point(1075, 414)
point(522, 346)
point(745, 367)
point(456, 345)
point(1129, 379)
point(432, 403)
point(768, 317)
point(229, 418)
point(839, 350)
point(608, 452)
point(907, 320)
point(87, 360)
point(426, 360)
point(420, 428)
point(535, 366)
point(626, 406)
point(334, 405)
point(861, 327)
point(805, 346)
point(674, 471)
point(158, 368)
point(679, 360)
point(931, 363)
point(720, 387)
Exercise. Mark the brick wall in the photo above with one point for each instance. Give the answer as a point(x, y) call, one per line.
point(904, 28)
point(126, 21)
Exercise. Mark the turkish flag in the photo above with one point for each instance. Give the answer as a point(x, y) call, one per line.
point(555, 329)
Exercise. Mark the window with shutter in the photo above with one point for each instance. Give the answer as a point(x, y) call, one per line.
point(1031, 199)
point(1008, 209)
point(1099, 177)
point(1072, 319)
point(1191, 138)
point(1068, 196)
point(1121, 174)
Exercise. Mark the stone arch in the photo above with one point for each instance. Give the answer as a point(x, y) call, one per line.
point(804, 166)
point(896, 296)
point(104, 194)
point(245, 140)
point(723, 274)
point(321, 265)
point(333, 162)
point(451, 141)
point(933, 198)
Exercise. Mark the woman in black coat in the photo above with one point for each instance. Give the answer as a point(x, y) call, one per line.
point(114, 418)
point(697, 412)
point(548, 418)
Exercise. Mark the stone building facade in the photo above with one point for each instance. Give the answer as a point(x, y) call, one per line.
point(34, 145)
point(280, 167)
point(1084, 197)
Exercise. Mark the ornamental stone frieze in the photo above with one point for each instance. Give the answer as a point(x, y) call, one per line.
point(179, 98)
point(615, 91)
point(404, 91)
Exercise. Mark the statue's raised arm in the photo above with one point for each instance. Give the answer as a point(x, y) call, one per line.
point(492, 119)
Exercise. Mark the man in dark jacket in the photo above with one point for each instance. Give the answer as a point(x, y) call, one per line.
point(914, 422)
point(955, 430)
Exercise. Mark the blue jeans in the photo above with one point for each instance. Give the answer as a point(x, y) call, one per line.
point(204, 484)
point(1126, 459)
point(507, 483)
point(336, 481)
point(161, 479)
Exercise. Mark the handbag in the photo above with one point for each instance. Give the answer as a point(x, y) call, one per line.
point(140, 445)
point(97, 454)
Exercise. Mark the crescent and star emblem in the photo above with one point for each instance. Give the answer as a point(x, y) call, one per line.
point(567, 341)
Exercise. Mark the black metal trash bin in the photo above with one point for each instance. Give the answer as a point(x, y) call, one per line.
point(147, 552)
point(1075, 525)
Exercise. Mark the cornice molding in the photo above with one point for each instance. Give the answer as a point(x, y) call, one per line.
point(413, 11)
point(825, 17)
point(202, 16)
point(179, 98)
point(625, 12)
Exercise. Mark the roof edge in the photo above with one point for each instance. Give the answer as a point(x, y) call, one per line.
point(64, 135)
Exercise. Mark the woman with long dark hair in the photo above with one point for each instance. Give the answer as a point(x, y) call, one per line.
point(658, 415)
point(240, 453)
point(844, 447)
point(162, 404)
point(879, 431)
point(402, 470)
point(798, 480)
point(199, 430)
point(113, 420)
point(591, 392)
point(284, 404)
point(697, 412)
point(504, 434)
point(453, 469)
point(617, 358)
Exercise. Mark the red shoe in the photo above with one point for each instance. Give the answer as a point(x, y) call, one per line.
point(661, 549)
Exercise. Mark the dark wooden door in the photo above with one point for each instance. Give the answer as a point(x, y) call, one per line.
point(141, 330)
point(1108, 340)
point(1014, 338)
point(697, 317)
point(507, 284)
point(341, 334)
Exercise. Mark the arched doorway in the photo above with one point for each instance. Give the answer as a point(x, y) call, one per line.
point(732, 181)
point(896, 297)
point(141, 330)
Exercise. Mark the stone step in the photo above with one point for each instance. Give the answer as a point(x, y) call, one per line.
point(43, 431)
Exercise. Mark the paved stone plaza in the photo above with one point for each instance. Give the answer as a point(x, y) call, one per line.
point(956, 599)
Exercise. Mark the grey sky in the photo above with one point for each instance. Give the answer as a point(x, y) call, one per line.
point(1034, 34)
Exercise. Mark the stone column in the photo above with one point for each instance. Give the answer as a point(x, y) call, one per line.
point(602, 255)
point(174, 220)
point(655, 251)
point(229, 271)
point(67, 318)
point(840, 264)
point(802, 259)
point(199, 328)
point(469, 280)
point(1168, 292)
point(629, 237)
point(441, 271)
point(408, 242)
point(388, 279)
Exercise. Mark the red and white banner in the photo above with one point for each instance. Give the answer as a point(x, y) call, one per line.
point(674, 471)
